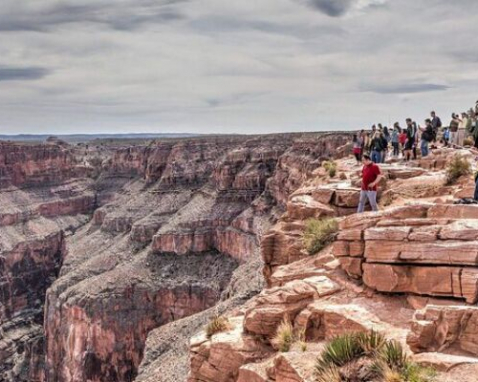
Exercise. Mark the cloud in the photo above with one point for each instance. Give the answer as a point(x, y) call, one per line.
point(337, 8)
point(404, 88)
point(332, 8)
point(120, 15)
point(22, 74)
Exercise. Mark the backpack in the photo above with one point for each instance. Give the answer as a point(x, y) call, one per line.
point(427, 136)
point(439, 122)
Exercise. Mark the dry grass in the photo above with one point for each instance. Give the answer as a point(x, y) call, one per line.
point(319, 233)
point(284, 338)
point(218, 324)
point(458, 167)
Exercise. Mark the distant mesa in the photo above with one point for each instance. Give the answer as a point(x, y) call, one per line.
point(54, 140)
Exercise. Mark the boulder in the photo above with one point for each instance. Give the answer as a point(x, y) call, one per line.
point(436, 328)
point(326, 320)
point(219, 359)
point(274, 305)
point(304, 207)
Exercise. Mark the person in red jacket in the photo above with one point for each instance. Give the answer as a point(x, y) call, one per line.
point(371, 177)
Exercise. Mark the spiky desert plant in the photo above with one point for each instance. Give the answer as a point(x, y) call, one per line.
point(371, 342)
point(393, 355)
point(284, 337)
point(340, 351)
point(319, 233)
point(217, 324)
point(458, 167)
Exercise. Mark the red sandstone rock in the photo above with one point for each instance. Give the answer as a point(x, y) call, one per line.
point(219, 359)
point(431, 281)
point(326, 320)
point(446, 253)
point(436, 328)
point(274, 305)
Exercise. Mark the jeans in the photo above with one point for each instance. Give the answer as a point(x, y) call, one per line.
point(424, 148)
point(396, 150)
point(372, 198)
point(376, 158)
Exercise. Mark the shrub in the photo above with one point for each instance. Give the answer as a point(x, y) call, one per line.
point(331, 168)
point(284, 338)
point(319, 233)
point(343, 176)
point(457, 168)
point(330, 374)
point(371, 343)
point(302, 341)
point(340, 351)
point(366, 357)
point(217, 324)
point(393, 355)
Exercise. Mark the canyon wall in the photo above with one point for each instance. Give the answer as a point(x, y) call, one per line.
point(145, 236)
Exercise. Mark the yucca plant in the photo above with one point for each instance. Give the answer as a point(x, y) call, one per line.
point(371, 343)
point(393, 355)
point(364, 357)
point(217, 324)
point(284, 338)
point(339, 352)
point(319, 233)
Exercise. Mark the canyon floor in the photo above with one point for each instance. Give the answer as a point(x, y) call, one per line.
point(114, 258)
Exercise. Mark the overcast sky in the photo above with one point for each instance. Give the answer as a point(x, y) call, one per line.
point(219, 66)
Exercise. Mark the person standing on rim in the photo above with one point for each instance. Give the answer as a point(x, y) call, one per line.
point(410, 143)
point(371, 176)
point(436, 124)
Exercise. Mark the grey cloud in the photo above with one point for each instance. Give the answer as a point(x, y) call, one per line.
point(22, 74)
point(404, 88)
point(333, 8)
point(123, 16)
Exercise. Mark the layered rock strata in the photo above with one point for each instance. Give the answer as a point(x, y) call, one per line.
point(421, 249)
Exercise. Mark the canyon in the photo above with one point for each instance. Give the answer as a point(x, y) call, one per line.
point(114, 258)
point(109, 254)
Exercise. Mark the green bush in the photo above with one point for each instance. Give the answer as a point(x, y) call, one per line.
point(372, 343)
point(457, 168)
point(217, 324)
point(366, 357)
point(331, 168)
point(340, 351)
point(319, 233)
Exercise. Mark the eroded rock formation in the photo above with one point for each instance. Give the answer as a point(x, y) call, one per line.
point(100, 246)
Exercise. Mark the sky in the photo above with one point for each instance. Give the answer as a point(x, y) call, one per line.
point(217, 66)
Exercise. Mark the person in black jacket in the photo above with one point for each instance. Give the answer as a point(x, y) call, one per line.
point(428, 135)
point(376, 147)
point(410, 143)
